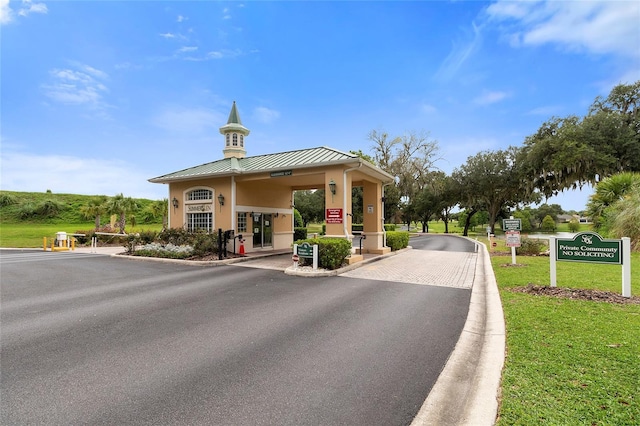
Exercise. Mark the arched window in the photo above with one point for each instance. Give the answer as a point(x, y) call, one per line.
point(198, 207)
point(235, 139)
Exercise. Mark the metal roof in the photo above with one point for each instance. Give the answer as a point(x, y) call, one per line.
point(311, 157)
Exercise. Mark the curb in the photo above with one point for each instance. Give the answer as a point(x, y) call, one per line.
point(467, 390)
point(327, 273)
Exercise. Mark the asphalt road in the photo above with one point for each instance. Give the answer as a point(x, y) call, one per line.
point(98, 340)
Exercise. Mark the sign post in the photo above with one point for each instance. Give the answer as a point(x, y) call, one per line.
point(512, 228)
point(306, 250)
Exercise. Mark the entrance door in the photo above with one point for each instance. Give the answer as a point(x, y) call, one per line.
point(262, 230)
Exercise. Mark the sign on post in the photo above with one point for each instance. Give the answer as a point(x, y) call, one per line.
point(589, 247)
point(512, 238)
point(305, 250)
point(511, 225)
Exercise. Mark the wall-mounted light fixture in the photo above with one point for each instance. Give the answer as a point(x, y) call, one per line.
point(221, 201)
point(175, 203)
point(332, 188)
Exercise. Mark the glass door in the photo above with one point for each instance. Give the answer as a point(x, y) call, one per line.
point(262, 230)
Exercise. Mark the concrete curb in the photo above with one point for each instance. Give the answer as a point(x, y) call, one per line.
point(467, 390)
point(327, 273)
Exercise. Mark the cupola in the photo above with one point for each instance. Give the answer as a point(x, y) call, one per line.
point(234, 133)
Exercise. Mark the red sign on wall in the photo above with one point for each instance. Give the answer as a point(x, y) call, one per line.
point(333, 215)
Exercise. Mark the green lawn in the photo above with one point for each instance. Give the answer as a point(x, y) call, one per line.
point(569, 362)
point(27, 235)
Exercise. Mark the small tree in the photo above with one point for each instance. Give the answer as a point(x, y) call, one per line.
point(548, 224)
point(574, 225)
point(94, 209)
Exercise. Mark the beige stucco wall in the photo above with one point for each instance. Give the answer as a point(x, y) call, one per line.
point(264, 194)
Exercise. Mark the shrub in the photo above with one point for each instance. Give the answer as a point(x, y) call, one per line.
point(49, 208)
point(574, 225)
point(87, 236)
point(397, 240)
point(324, 229)
point(7, 200)
point(331, 251)
point(168, 251)
point(131, 242)
point(204, 243)
point(176, 236)
point(299, 233)
point(390, 227)
point(147, 237)
point(531, 247)
point(297, 219)
point(27, 211)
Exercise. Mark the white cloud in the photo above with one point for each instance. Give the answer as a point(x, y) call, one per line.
point(600, 26)
point(181, 18)
point(80, 86)
point(27, 7)
point(75, 175)
point(266, 115)
point(6, 14)
point(167, 35)
point(188, 120)
point(488, 97)
point(184, 49)
point(459, 54)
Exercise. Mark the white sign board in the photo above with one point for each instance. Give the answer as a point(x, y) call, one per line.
point(513, 238)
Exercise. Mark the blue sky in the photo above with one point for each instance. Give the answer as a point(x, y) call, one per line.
point(98, 97)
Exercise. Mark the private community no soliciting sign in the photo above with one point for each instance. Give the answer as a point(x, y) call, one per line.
point(589, 247)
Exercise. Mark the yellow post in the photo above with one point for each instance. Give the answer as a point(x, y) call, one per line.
point(44, 243)
point(52, 249)
point(73, 243)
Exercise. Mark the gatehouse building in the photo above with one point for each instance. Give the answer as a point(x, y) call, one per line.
point(254, 195)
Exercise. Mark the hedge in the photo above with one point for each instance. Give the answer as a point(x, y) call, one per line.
point(332, 252)
point(397, 240)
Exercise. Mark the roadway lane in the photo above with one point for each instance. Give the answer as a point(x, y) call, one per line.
point(101, 340)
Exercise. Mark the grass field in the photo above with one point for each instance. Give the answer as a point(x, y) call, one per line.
point(569, 362)
point(27, 235)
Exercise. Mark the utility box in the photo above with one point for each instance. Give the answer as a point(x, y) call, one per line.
point(61, 238)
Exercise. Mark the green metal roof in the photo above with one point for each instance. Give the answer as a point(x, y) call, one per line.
point(311, 157)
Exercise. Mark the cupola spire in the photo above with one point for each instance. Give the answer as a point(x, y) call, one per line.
point(234, 133)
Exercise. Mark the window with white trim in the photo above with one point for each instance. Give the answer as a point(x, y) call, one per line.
point(228, 138)
point(242, 141)
point(199, 209)
point(235, 139)
point(242, 222)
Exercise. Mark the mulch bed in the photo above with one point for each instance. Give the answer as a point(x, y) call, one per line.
point(577, 294)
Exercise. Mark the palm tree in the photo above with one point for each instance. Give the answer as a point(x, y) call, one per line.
point(121, 205)
point(609, 191)
point(94, 209)
point(160, 208)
